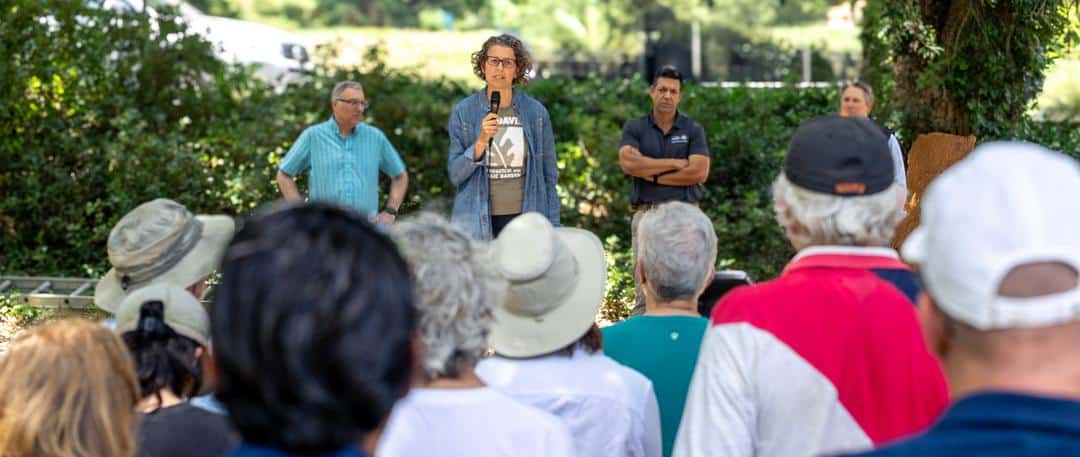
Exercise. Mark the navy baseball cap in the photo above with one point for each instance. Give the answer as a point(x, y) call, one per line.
point(845, 156)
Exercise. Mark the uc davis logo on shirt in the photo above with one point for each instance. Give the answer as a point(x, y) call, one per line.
point(680, 139)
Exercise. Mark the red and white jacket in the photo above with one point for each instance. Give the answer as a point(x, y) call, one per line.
point(827, 358)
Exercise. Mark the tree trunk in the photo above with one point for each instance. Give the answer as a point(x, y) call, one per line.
point(930, 105)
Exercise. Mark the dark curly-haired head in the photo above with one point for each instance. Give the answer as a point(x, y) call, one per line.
point(312, 327)
point(521, 57)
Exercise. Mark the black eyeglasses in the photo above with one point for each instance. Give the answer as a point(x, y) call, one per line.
point(496, 62)
point(355, 103)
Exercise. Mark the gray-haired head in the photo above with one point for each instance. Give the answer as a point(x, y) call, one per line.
point(677, 250)
point(457, 289)
point(868, 91)
point(341, 86)
point(813, 219)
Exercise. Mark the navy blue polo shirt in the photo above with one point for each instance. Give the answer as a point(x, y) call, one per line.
point(686, 137)
point(998, 424)
point(906, 281)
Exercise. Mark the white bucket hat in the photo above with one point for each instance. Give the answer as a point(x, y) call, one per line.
point(557, 278)
point(1005, 205)
point(161, 241)
point(182, 312)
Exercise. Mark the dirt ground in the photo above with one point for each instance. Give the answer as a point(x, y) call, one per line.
point(8, 327)
point(11, 326)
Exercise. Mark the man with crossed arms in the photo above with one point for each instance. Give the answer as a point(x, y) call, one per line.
point(666, 155)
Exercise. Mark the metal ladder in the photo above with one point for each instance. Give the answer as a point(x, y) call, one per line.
point(50, 292)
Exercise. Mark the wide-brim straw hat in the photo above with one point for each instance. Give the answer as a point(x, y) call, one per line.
point(160, 241)
point(557, 279)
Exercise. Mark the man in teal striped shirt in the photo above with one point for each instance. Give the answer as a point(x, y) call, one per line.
point(344, 158)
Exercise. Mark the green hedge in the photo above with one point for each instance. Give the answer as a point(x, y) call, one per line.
point(103, 113)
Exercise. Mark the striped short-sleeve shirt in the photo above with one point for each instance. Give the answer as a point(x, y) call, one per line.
point(343, 171)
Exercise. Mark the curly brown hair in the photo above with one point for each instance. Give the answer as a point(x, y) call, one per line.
point(521, 56)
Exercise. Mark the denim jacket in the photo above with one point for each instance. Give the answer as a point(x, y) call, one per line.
point(472, 202)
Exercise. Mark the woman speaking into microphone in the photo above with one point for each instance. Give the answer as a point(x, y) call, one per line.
point(502, 149)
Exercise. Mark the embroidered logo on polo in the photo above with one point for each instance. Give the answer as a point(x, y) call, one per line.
point(680, 139)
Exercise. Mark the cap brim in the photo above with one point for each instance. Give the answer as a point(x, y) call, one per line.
point(199, 263)
point(914, 248)
point(514, 335)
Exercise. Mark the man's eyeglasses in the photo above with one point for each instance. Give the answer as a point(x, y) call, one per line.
point(496, 62)
point(355, 103)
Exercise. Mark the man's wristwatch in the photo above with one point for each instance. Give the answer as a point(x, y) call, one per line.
point(390, 211)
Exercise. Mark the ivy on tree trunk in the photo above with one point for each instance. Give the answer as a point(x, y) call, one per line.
point(963, 66)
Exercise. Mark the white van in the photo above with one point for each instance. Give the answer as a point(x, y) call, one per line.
point(279, 57)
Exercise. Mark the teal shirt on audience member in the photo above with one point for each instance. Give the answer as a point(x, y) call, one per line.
point(664, 349)
point(344, 171)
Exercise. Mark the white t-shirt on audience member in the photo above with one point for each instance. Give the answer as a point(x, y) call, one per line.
point(611, 410)
point(478, 422)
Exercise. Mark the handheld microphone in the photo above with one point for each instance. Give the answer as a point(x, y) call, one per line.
point(496, 99)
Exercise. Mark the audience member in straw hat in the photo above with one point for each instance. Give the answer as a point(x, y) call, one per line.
point(828, 357)
point(999, 253)
point(160, 241)
point(449, 410)
point(167, 331)
point(67, 388)
point(548, 348)
point(675, 261)
point(312, 327)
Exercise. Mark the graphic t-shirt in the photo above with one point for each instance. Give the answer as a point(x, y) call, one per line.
point(506, 164)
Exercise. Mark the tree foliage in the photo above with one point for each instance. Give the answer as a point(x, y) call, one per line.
point(400, 13)
point(965, 66)
point(573, 28)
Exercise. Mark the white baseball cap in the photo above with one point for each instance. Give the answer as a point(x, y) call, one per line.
point(1007, 204)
